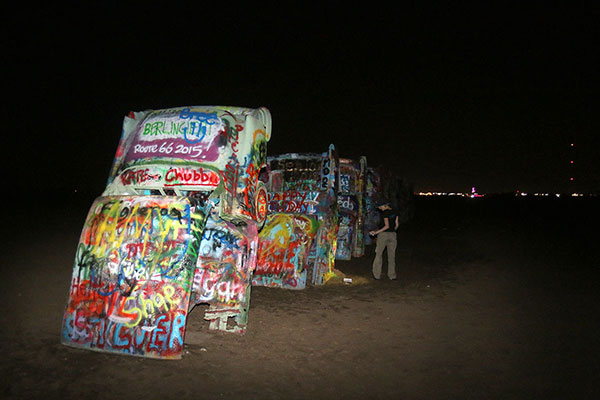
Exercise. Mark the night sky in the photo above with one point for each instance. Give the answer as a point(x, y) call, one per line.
point(447, 97)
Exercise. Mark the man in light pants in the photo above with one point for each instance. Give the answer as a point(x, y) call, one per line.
point(386, 238)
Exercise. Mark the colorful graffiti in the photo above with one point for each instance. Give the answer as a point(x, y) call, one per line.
point(132, 277)
point(283, 250)
point(351, 209)
point(178, 220)
point(382, 184)
point(183, 133)
point(168, 176)
point(298, 242)
point(226, 261)
point(373, 194)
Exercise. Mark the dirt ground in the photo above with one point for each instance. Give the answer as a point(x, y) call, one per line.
point(495, 299)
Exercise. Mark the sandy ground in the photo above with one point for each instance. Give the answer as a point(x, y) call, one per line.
point(495, 299)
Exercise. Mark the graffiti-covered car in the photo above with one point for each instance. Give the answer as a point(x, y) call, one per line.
point(297, 244)
point(384, 184)
point(351, 209)
point(177, 225)
point(373, 194)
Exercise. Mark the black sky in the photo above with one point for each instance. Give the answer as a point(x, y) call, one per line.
point(448, 97)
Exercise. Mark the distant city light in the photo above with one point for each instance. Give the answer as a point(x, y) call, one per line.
point(518, 194)
point(442, 194)
point(474, 193)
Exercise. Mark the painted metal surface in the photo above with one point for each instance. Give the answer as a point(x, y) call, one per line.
point(177, 223)
point(226, 260)
point(297, 245)
point(351, 209)
point(373, 194)
point(132, 277)
point(383, 184)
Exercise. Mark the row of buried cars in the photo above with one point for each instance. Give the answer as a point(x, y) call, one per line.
point(194, 212)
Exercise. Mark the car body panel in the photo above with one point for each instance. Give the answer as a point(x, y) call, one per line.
point(131, 283)
point(297, 244)
point(351, 209)
point(226, 261)
point(373, 194)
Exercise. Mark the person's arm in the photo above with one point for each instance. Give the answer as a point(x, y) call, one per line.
point(386, 225)
point(397, 223)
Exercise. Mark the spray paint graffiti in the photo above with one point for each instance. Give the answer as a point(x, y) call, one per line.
point(131, 278)
point(351, 209)
point(178, 220)
point(181, 133)
point(373, 194)
point(167, 176)
point(226, 261)
point(297, 244)
point(284, 249)
point(383, 184)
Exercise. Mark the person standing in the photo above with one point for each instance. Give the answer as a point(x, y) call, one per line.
point(386, 239)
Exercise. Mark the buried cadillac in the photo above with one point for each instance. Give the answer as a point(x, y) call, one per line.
point(297, 245)
point(176, 226)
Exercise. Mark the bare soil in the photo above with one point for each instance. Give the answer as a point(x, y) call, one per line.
point(495, 299)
